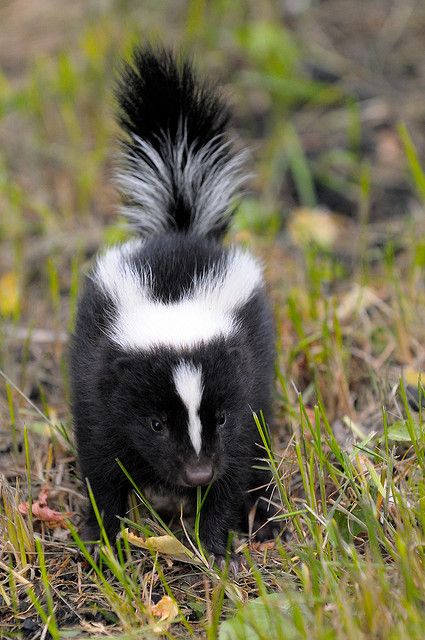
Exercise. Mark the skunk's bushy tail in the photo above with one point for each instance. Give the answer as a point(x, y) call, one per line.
point(179, 172)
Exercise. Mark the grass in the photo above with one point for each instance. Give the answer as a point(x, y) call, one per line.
point(348, 445)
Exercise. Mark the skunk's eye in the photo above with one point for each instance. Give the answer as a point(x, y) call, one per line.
point(221, 418)
point(157, 425)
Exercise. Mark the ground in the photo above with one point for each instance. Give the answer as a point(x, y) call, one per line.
point(329, 97)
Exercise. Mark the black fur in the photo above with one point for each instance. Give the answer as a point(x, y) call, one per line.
point(115, 393)
point(160, 101)
point(156, 93)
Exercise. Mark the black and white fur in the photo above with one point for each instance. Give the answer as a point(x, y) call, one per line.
point(174, 343)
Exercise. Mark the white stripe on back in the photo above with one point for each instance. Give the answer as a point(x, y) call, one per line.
point(204, 312)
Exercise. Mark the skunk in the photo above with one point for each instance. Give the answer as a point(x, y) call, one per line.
point(173, 348)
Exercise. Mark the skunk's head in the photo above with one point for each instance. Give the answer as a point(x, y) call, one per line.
point(182, 414)
point(176, 385)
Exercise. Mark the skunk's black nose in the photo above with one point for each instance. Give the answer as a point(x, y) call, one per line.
point(198, 474)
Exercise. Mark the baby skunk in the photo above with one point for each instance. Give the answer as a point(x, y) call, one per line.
point(174, 341)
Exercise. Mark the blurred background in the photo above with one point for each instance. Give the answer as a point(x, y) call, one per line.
point(329, 96)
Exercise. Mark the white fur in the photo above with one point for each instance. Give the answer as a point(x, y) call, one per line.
point(117, 275)
point(204, 312)
point(206, 179)
point(188, 382)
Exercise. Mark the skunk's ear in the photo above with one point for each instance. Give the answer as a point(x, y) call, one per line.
point(111, 373)
point(120, 366)
point(128, 367)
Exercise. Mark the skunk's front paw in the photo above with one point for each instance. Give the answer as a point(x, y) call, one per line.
point(231, 562)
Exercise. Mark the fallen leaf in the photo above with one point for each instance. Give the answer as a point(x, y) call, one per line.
point(94, 628)
point(412, 376)
point(9, 294)
point(166, 545)
point(263, 546)
point(167, 611)
point(42, 512)
point(317, 225)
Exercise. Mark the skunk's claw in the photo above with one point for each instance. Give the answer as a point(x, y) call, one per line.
point(233, 562)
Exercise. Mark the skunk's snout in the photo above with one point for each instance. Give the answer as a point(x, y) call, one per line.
point(198, 474)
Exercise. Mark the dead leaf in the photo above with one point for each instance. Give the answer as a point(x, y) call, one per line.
point(42, 512)
point(9, 294)
point(411, 376)
point(263, 546)
point(167, 611)
point(317, 225)
point(94, 628)
point(166, 545)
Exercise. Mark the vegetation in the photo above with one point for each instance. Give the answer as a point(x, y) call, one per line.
point(348, 449)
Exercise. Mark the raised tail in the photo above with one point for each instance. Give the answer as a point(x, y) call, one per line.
point(179, 172)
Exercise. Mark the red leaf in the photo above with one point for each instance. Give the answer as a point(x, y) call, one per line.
point(42, 512)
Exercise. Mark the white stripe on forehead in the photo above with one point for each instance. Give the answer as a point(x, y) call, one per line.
point(204, 312)
point(188, 382)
